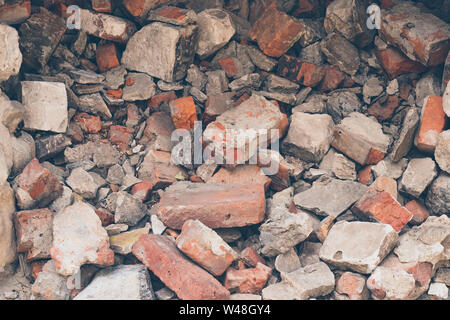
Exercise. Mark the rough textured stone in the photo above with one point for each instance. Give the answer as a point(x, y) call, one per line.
point(342, 103)
point(404, 142)
point(24, 151)
point(45, 105)
point(162, 257)
point(161, 50)
point(314, 280)
point(382, 207)
point(215, 29)
point(126, 208)
point(143, 87)
point(348, 17)
point(34, 233)
point(341, 53)
point(7, 241)
point(215, 205)
point(390, 284)
point(358, 246)
point(15, 12)
point(260, 114)
point(106, 26)
point(330, 197)
point(283, 230)
point(339, 165)
point(361, 139)
point(10, 55)
point(438, 197)
point(39, 37)
point(309, 136)
point(446, 100)
point(280, 291)
point(288, 261)
point(205, 247)
point(78, 238)
point(275, 31)
point(123, 282)
point(141, 8)
point(94, 103)
point(421, 36)
point(82, 183)
point(49, 285)
point(428, 85)
point(417, 176)
point(426, 243)
point(173, 15)
point(442, 151)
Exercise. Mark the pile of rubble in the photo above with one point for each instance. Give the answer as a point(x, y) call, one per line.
point(93, 205)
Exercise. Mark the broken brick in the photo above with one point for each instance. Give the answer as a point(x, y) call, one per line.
point(142, 190)
point(250, 280)
point(419, 211)
point(432, 123)
point(158, 99)
point(382, 207)
point(106, 57)
point(121, 136)
point(296, 70)
point(384, 111)
point(395, 63)
point(187, 280)
point(34, 230)
point(275, 31)
point(183, 112)
point(89, 123)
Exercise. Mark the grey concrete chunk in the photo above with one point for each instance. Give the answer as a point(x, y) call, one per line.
point(358, 246)
point(417, 176)
point(123, 282)
point(330, 197)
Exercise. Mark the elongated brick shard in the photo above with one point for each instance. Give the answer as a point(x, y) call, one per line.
point(215, 205)
point(187, 280)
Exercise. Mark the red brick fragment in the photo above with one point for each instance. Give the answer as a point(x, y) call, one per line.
point(419, 211)
point(247, 280)
point(142, 190)
point(106, 57)
point(121, 136)
point(183, 112)
point(89, 123)
point(187, 280)
point(432, 123)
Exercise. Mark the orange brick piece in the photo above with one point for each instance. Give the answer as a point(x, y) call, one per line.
point(380, 206)
point(34, 230)
point(183, 112)
point(215, 205)
point(89, 123)
point(187, 280)
point(101, 5)
point(353, 285)
point(395, 63)
point(121, 136)
point(419, 212)
point(251, 257)
point(106, 57)
point(204, 246)
point(431, 125)
point(275, 31)
point(247, 280)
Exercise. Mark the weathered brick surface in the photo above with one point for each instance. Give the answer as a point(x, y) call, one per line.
point(299, 71)
point(395, 63)
point(106, 57)
point(215, 205)
point(187, 280)
point(382, 207)
point(183, 112)
point(250, 280)
point(275, 31)
point(432, 122)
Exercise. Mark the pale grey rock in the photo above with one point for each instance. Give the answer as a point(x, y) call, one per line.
point(126, 208)
point(215, 29)
point(310, 253)
point(280, 291)
point(65, 200)
point(438, 290)
point(161, 50)
point(341, 53)
point(46, 106)
point(10, 55)
point(115, 77)
point(123, 282)
point(12, 113)
point(442, 151)
point(438, 195)
point(358, 246)
point(339, 165)
point(7, 240)
point(252, 80)
point(426, 243)
point(309, 136)
point(115, 174)
point(283, 230)
point(404, 142)
point(341, 103)
point(287, 262)
point(428, 85)
point(418, 176)
point(86, 77)
point(312, 281)
point(78, 237)
point(24, 151)
point(396, 284)
point(217, 82)
point(274, 83)
point(94, 103)
point(82, 183)
point(446, 101)
point(143, 87)
point(330, 197)
point(390, 169)
point(196, 78)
